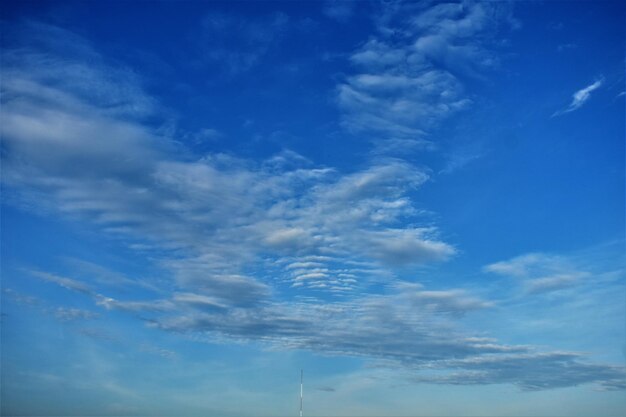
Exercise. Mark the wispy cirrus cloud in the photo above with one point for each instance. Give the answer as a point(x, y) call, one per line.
point(410, 76)
point(115, 89)
point(106, 277)
point(580, 97)
point(540, 273)
point(64, 314)
point(133, 306)
point(20, 298)
point(67, 283)
point(549, 370)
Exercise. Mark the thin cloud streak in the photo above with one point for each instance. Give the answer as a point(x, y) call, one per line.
point(580, 97)
point(540, 273)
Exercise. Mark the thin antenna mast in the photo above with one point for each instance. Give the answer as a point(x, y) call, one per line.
point(301, 390)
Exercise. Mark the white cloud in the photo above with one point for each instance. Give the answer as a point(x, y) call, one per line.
point(455, 302)
point(198, 300)
point(531, 371)
point(67, 283)
point(408, 329)
point(406, 246)
point(133, 306)
point(21, 298)
point(72, 154)
point(518, 266)
point(294, 237)
point(580, 97)
point(104, 276)
point(410, 77)
point(541, 273)
point(554, 282)
point(54, 55)
point(215, 283)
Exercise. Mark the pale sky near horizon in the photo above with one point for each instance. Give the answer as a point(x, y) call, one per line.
point(420, 204)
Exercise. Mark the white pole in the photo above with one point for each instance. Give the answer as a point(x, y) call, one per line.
point(301, 391)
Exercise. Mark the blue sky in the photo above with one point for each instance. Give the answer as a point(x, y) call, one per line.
point(420, 204)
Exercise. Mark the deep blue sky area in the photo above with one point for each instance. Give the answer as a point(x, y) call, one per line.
point(419, 204)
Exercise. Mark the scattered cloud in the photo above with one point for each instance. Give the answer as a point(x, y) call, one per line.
point(64, 314)
point(405, 246)
point(411, 73)
point(105, 276)
point(408, 330)
point(133, 306)
point(20, 298)
point(409, 327)
point(531, 371)
point(224, 212)
point(540, 273)
point(115, 89)
point(235, 236)
point(455, 302)
point(67, 283)
point(394, 326)
point(72, 314)
point(554, 282)
point(580, 97)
